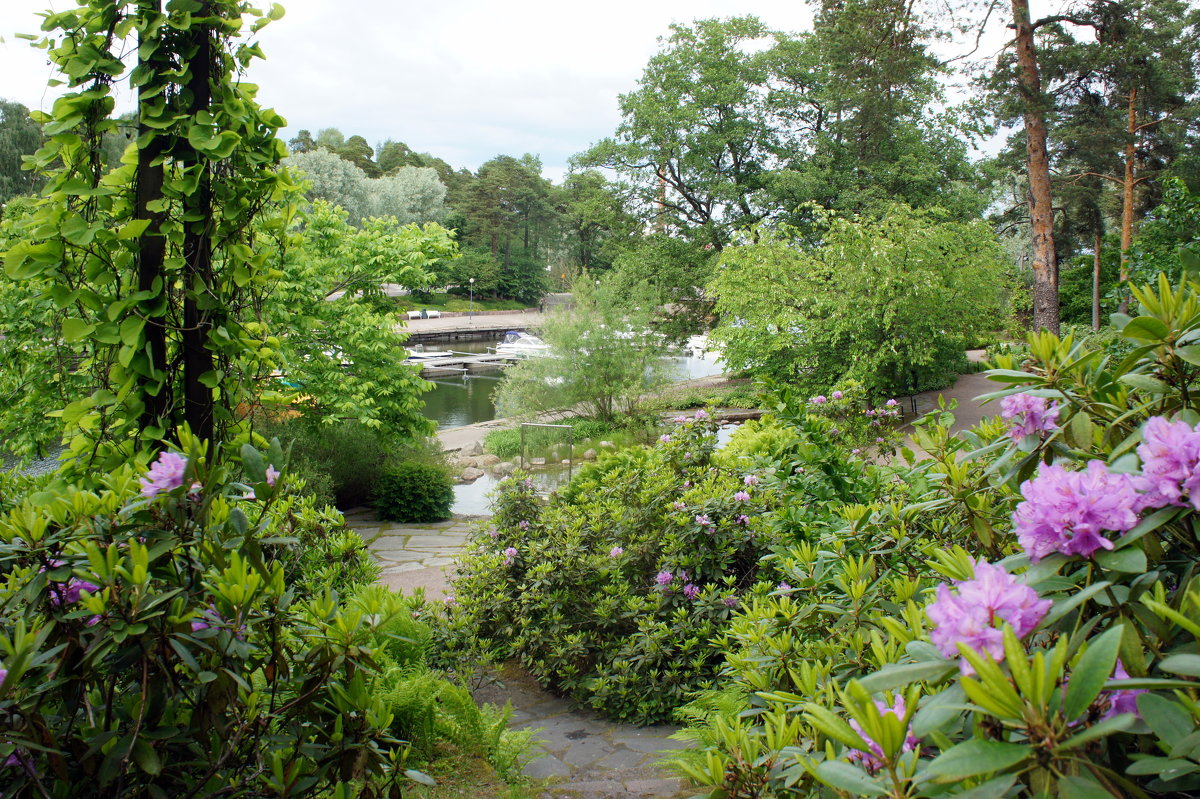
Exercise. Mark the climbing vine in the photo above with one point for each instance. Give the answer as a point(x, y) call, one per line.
point(153, 268)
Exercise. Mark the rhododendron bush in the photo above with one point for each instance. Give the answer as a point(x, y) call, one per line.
point(1046, 645)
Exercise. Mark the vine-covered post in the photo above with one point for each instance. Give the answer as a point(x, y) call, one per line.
point(151, 263)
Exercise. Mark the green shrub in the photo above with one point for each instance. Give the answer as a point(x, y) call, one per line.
point(571, 589)
point(152, 646)
point(504, 444)
point(337, 461)
point(852, 683)
point(413, 492)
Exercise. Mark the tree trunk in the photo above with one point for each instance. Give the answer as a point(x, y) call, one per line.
point(151, 245)
point(1127, 186)
point(1041, 213)
point(1099, 239)
point(197, 253)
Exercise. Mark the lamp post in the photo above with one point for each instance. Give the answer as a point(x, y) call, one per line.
point(471, 307)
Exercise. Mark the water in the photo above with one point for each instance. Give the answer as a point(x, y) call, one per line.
point(456, 401)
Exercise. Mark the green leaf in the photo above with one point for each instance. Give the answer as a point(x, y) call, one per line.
point(1081, 430)
point(1187, 665)
point(845, 777)
point(146, 758)
point(1169, 720)
point(238, 519)
point(252, 462)
point(1091, 672)
point(992, 789)
point(974, 757)
point(1099, 730)
point(1081, 788)
point(1145, 328)
point(1146, 383)
point(896, 675)
point(1190, 353)
point(76, 329)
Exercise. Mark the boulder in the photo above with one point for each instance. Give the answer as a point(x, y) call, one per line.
point(470, 474)
point(475, 448)
point(590, 455)
point(607, 445)
point(504, 469)
point(466, 463)
point(484, 461)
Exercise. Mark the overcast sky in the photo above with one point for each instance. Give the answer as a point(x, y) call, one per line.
point(463, 79)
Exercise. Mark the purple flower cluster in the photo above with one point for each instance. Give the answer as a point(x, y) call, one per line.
point(164, 474)
point(272, 476)
point(691, 590)
point(1170, 453)
point(750, 479)
point(837, 395)
point(664, 439)
point(974, 614)
point(664, 578)
point(1069, 512)
point(743, 519)
point(872, 760)
point(1030, 415)
point(703, 520)
point(1121, 701)
point(510, 555)
point(741, 496)
point(818, 400)
point(616, 552)
point(701, 414)
point(524, 525)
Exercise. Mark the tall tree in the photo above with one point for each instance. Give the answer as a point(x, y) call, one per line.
point(694, 141)
point(19, 136)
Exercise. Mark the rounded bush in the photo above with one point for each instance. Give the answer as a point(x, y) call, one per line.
point(413, 492)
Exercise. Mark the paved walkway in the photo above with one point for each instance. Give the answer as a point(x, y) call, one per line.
point(583, 756)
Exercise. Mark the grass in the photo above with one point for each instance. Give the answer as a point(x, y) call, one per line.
point(461, 775)
point(453, 302)
point(731, 394)
point(506, 444)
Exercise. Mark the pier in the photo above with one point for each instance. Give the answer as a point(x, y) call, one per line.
point(459, 363)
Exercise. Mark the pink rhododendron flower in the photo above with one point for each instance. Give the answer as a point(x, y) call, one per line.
point(664, 438)
point(664, 578)
point(510, 555)
point(891, 403)
point(678, 505)
point(730, 601)
point(524, 525)
point(164, 474)
point(680, 419)
point(3, 676)
point(872, 760)
point(974, 614)
point(741, 496)
point(1170, 453)
point(1069, 512)
point(836, 395)
point(1030, 415)
point(1123, 701)
point(743, 519)
point(783, 587)
point(818, 400)
point(750, 479)
point(703, 520)
point(691, 590)
point(701, 414)
point(272, 475)
point(616, 552)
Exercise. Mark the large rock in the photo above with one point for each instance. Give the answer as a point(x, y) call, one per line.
point(475, 448)
point(591, 455)
point(504, 469)
point(607, 445)
point(484, 461)
point(470, 474)
point(466, 463)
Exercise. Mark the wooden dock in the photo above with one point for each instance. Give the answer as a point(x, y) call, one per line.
point(460, 363)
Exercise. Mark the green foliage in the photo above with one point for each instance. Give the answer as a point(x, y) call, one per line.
point(153, 646)
point(338, 461)
point(20, 136)
point(146, 298)
point(885, 301)
point(571, 588)
point(504, 444)
point(413, 492)
point(341, 355)
point(811, 672)
point(603, 357)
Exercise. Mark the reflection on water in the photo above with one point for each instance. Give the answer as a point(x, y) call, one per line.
point(461, 400)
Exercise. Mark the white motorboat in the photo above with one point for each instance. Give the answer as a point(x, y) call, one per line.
point(521, 345)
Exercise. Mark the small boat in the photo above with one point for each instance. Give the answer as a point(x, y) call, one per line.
point(422, 355)
point(521, 345)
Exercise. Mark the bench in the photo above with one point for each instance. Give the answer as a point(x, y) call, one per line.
point(424, 314)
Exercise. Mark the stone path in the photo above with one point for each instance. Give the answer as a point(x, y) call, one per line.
point(583, 756)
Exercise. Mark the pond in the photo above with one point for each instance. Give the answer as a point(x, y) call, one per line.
point(456, 401)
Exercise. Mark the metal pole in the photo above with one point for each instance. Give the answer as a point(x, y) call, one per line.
point(471, 307)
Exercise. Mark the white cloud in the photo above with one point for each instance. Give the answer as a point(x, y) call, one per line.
point(463, 79)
